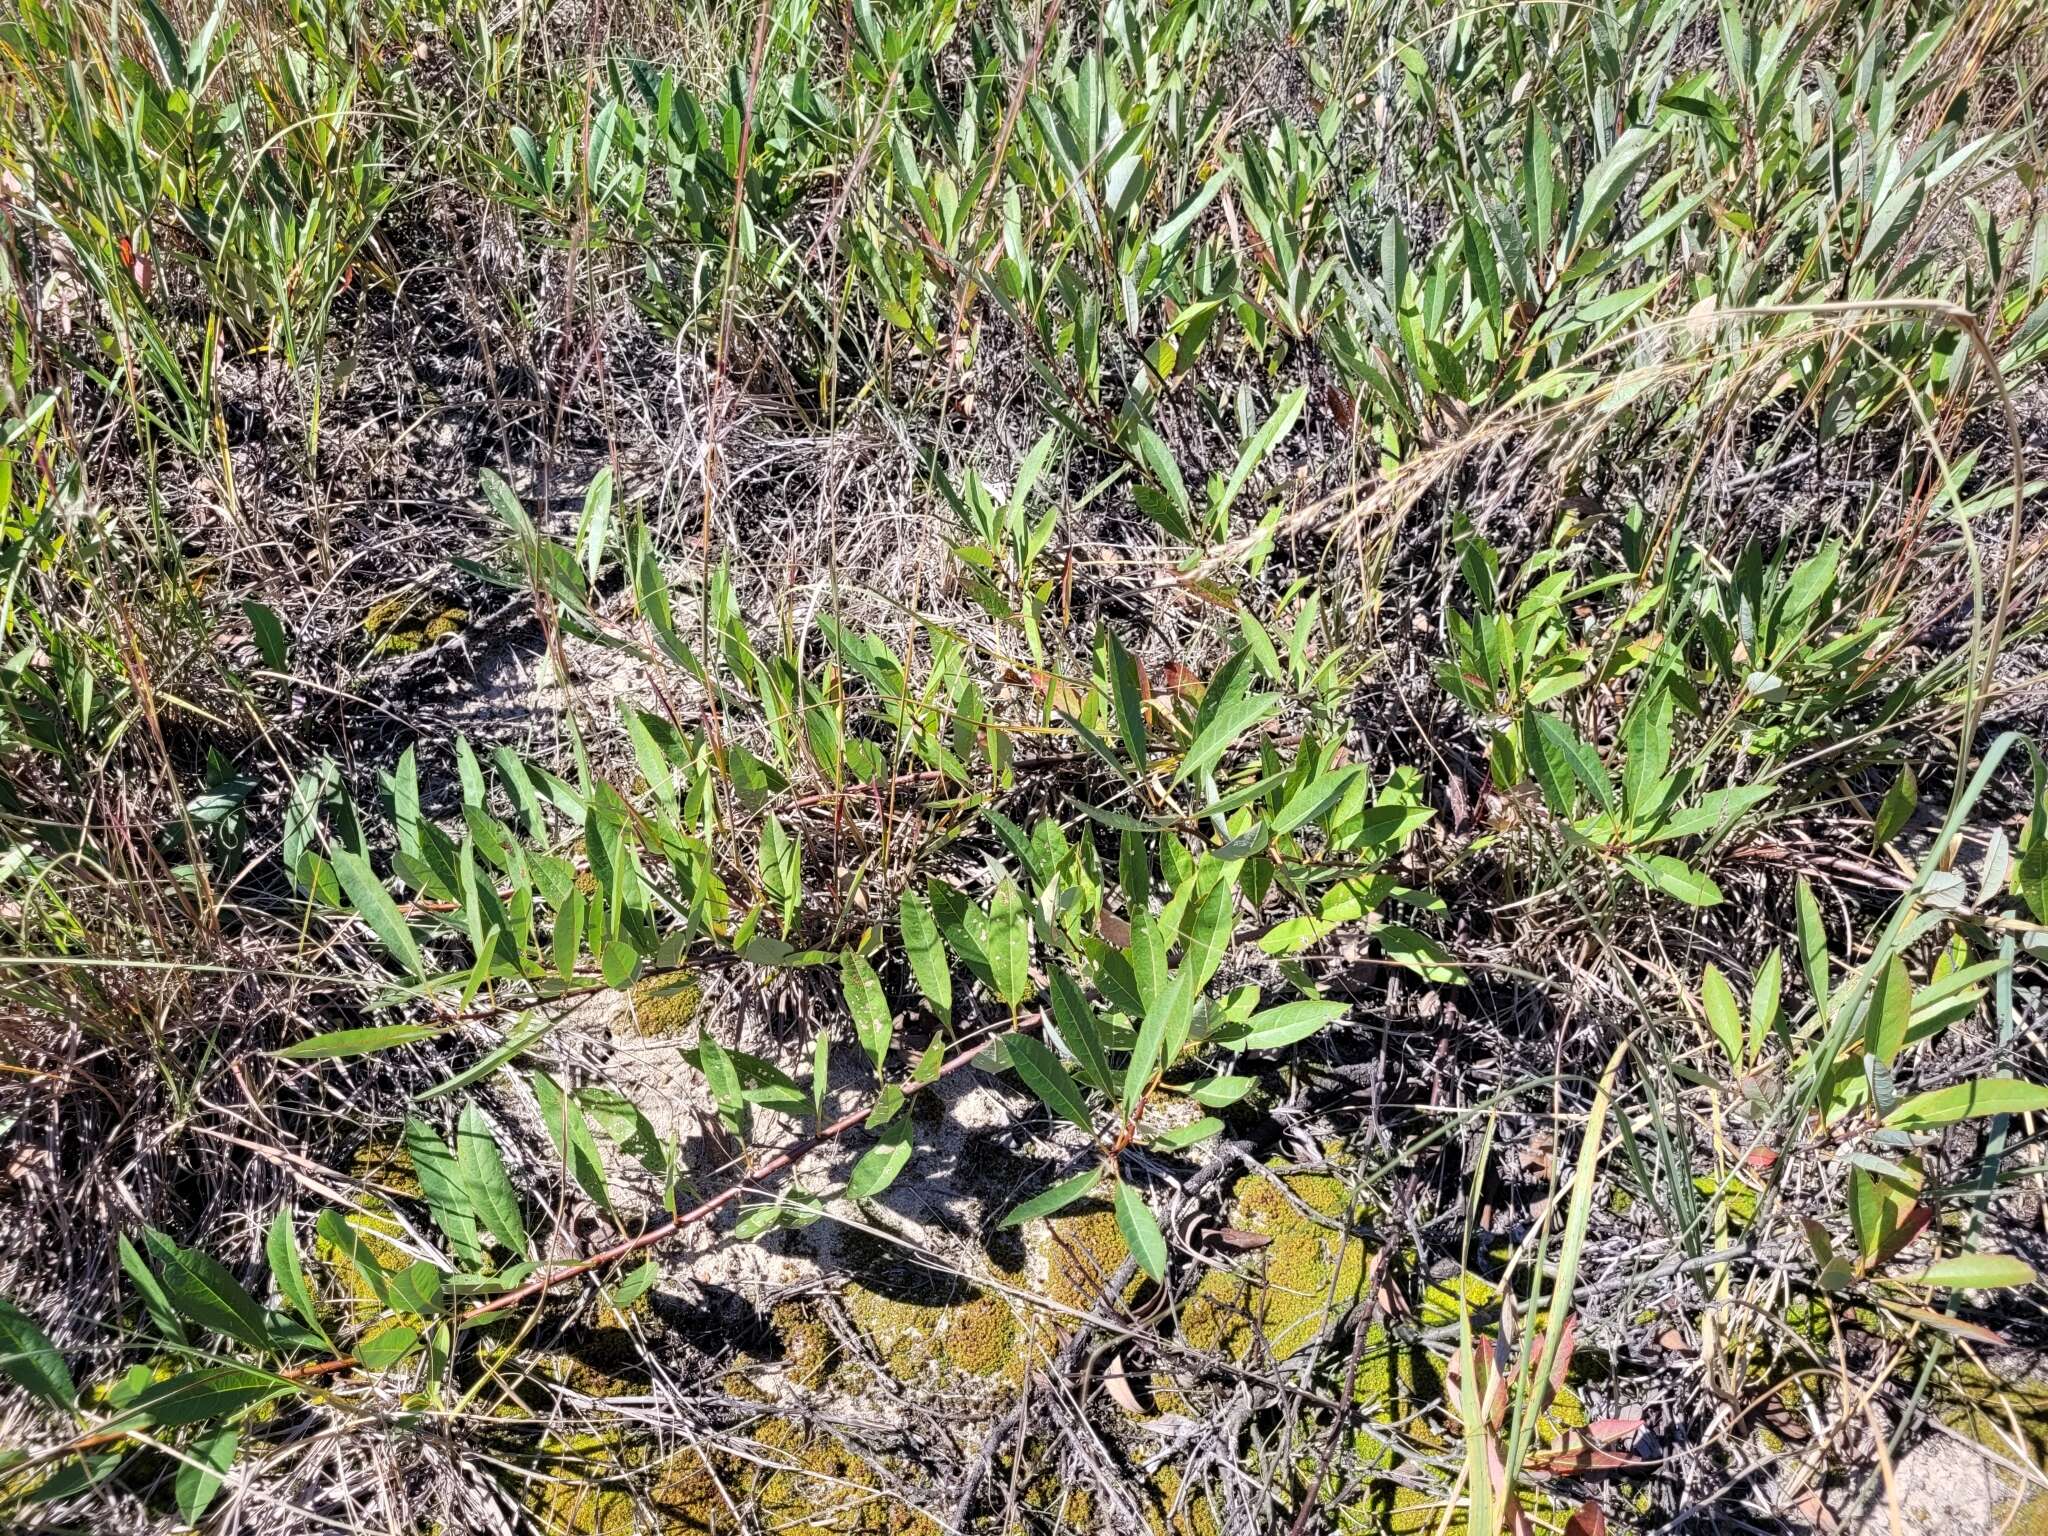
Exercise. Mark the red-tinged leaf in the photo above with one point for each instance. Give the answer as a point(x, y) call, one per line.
point(1944, 1322)
point(1582, 1461)
point(1760, 1157)
point(1568, 1340)
point(1604, 1430)
point(1243, 1242)
point(1587, 1520)
point(1911, 1225)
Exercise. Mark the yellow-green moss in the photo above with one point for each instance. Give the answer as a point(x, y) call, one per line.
point(663, 1006)
point(789, 1480)
point(1170, 1515)
point(1083, 1250)
point(406, 621)
point(1440, 1299)
point(981, 1338)
point(1310, 1270)
point(809, 1351)
point(1738, 1200)
point(815, 1487)
point(380, 1232)
point(1067, 1506)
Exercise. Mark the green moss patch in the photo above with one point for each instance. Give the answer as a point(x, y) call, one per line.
point(410, 621)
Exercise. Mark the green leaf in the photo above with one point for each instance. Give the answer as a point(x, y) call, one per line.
point(872, 1025)
point(155, 1299)
point(387, 1347)
point(1891, 1009)
point(1724, 1017)
point(1764, 1001)
point(519, 1041)
point(441, 1184)
point(926, 953)
point(503, 502)
point(637, 1283)
point(1060, 1196)
point(1275, 427)
point(1043, 1074)
point(1675, 877)
point(1080, 1031)
point(1420, 953)
point(1209, 931)
point(30, 1360)
point(417, 1289)
point(1009, 944)
point(1276, 1027)
point(1878, 1207)
point(1813, 942)
point(484, 1180)
point(1130, 704)
point(1312, 799)
point(342, 1236)
point(1897, 807)
point(1216, 737)
point(204, 1292)
point(373, 904)
point(81, 1476)
point(1141, 1232)
point(193, 1397)
point(1187, 1135)
point(1168, 1017)
point(1975, 1271)
point(288, 1274)
point(723, 1078)
point(1604, 184)
point(339, 1043)
point(1969, 1101)
point(199, 1478)
point(881, 1163)
point(619, 963)
point(271, 644)
point(1560, 760)
point(570, 1133)
point(1221, 1092)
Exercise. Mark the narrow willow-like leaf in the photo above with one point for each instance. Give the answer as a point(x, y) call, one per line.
point(1813, 942)
point(288, 1274)
point(205, 1293)
point(441, 1183)
point(336, 1230)
point(30, 1360)
point(1723, 1016)
point(1969, 1101)
point(1890, 1011)
point(338, 1044)
point(881, 1163)
point(1081, 1031)
point(1140, 1229)
point(1975, 1271)
point(194, 1397)
point(155, 1299)
point(927, 954)
point(373, 904)
point(484, 1180)
point(199, 1478)
point(1043, 1074)
point(1166, 1018)
point(1009, 943)
point(872, 1024)
point(1059, 1197)
point(570, 1133)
